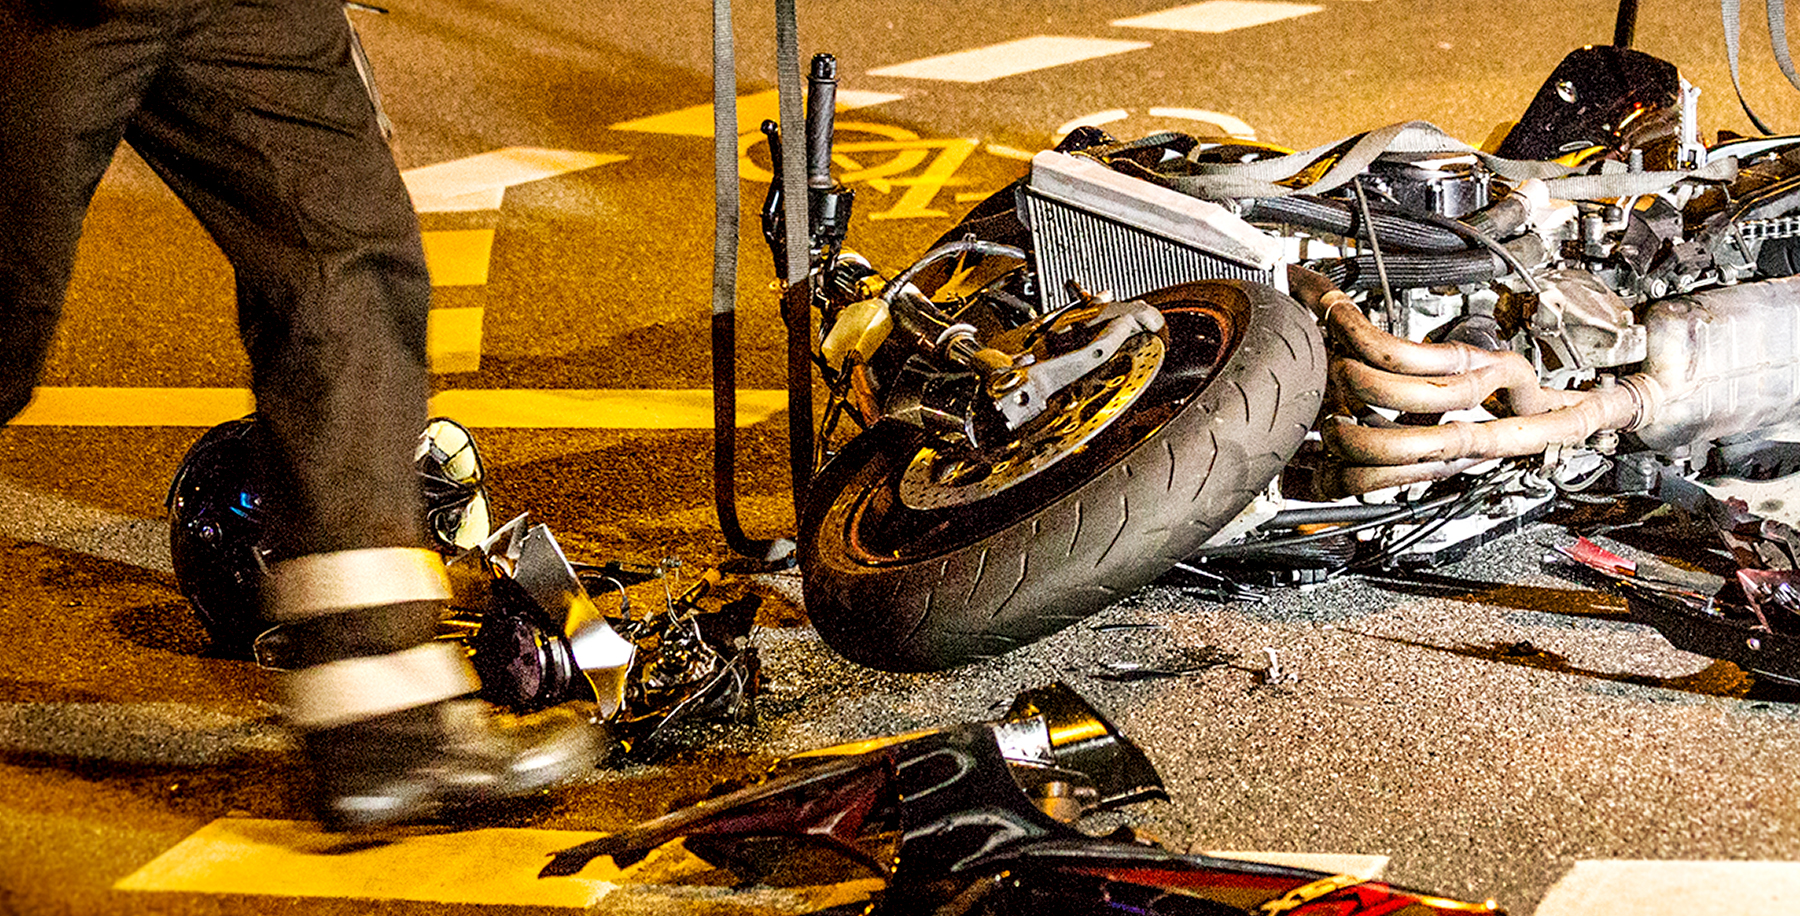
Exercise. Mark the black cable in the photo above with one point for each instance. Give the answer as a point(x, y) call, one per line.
point(1405, 271)
point(1387, 294)
point(724, 301)
point(796, 301)
point(1468, 500)
point(1335, 217)
point(961, 246)
point(1253, 547)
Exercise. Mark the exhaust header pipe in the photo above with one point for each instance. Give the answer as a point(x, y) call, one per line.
point(1719, 362)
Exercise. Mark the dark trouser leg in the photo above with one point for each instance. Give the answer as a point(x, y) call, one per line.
point(254, 115)
point(251, 111)
point(66, 92)
point(261, 125)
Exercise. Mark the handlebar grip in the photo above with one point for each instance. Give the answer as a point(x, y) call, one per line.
point(821, 115)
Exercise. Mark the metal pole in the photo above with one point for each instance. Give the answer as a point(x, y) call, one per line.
point(1626, 25)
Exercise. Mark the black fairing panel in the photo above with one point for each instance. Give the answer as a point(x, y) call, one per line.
point(1606, 97)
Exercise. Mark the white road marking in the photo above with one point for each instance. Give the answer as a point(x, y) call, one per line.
point(1623, 887)
point(1004, 152)
point(752, 110)
point(1097, 119)
point(1232, 126)
point(1367, 868)
point(1218, 16)
point(1236, 127)
point(1038, 52)
point(557, 408)
point(480, 182)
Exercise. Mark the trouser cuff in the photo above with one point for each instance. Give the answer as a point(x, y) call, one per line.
point(354, 689)
point(328, 583)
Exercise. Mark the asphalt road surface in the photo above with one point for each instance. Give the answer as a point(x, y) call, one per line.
point(1521, 743)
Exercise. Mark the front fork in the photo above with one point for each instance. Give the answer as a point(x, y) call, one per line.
point(828, 217)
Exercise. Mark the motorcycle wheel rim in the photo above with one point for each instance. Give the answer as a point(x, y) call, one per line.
point(940, 480)
point(879, 529)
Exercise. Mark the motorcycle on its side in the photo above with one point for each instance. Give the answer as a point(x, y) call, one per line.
point(1178, 351)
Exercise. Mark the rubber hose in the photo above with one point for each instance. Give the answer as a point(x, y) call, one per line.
point(1406, 271)
point(1501, 219)
point(1397, 233)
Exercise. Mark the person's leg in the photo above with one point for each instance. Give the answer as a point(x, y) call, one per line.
point(67, 86)
point(261, 126)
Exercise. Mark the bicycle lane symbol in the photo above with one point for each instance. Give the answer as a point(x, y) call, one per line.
point(883, 164)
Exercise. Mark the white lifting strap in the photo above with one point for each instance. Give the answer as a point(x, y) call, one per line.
point(1777, 14)
point(325, 583)
point(1226, 180)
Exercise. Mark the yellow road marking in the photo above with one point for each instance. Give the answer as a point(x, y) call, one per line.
point(135, 406)
point(458, 257)
point(615, 408)
point(294, 859)
point(559, 408)
point(916, 202)
point(905, 151)
point(752, 110)
point(480, 867)
point(453, 339)
point(480, 182)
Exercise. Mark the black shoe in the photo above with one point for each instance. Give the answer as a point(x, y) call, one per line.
point(417, 763)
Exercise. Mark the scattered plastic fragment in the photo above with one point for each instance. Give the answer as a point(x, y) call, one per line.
point(979, 819)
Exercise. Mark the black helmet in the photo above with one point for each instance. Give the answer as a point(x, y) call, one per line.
point(216, 519)
point(215, 533)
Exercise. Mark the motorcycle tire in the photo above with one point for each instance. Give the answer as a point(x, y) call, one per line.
point(902, 589)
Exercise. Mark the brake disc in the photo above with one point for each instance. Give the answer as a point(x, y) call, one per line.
point(957, 477)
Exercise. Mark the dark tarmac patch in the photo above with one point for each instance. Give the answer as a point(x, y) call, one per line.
point(166, 626)
point(1718, 679)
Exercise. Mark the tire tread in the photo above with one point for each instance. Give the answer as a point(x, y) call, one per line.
point(1278, 363)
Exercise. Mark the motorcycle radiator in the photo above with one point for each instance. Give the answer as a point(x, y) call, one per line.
point(1113, 233)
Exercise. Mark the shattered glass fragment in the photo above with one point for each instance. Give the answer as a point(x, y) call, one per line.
point(1184, 661)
